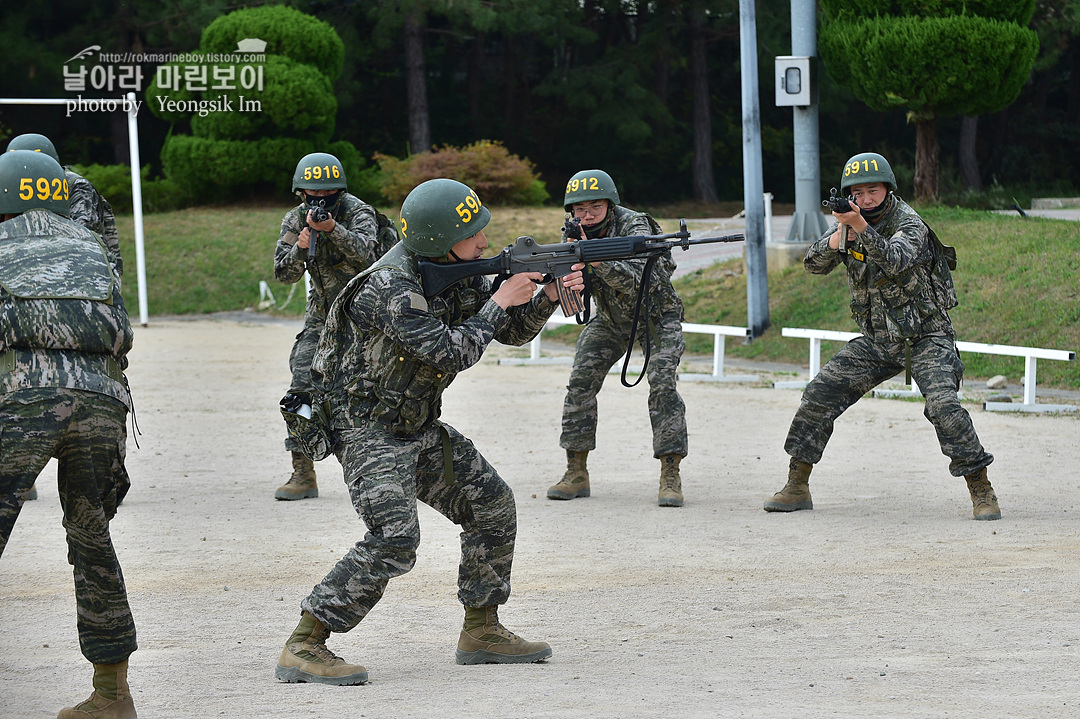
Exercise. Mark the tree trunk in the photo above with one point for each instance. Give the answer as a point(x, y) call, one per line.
point(416, 86)
point(969, 161)
point(476, 73)
point(702, 168)
point(926, 160)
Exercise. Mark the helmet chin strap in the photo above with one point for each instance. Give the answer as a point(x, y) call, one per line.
point(451, 253)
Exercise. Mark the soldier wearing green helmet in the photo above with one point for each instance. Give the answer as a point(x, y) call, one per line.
point(592, 198)
point(86, 205)
point(331, 251)
point(901, 291)
point(385, 357)
point(64, 339)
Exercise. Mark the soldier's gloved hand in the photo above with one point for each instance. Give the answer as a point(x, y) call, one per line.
point(517, 290)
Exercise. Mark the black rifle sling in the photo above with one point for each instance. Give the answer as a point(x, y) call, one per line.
point(642, 300)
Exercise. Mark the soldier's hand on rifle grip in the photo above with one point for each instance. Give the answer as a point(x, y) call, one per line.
point(517, 289)
point(304, 239)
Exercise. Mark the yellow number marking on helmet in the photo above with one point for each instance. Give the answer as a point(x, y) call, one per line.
point(473, 202)
point(404, 227)
point(853, 168)
point(55, 188)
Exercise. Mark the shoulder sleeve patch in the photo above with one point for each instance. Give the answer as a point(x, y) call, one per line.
point(417, 302)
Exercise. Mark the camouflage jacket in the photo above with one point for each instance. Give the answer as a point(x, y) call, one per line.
point(360, 237)
point(614, 284)
point(94, 212)
point(898, 273)
point(387, 353)
point(62, 318)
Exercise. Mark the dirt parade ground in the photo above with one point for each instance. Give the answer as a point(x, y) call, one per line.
point(886, 600)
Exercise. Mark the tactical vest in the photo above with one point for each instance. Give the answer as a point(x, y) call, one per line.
point(62, 319)
point(908, 305)
point(374, 376)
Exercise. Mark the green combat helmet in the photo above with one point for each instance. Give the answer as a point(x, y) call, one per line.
point(319, 171)
point(867, 167)
point(590, 185)
point(438, 214)
point(32, 181)
point(35, 142)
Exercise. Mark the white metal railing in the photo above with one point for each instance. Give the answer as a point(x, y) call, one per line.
point(719, 333)
point(1030, 355)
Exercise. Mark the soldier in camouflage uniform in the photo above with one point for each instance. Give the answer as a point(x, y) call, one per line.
point(353, 237)
point(901, 291)
point(386, 356)
point(92, 211)
point(592, 197)
point(64, 337)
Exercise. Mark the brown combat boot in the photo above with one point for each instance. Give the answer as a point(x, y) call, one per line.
point(301, 484)
point(484, 640)
point(670, 483)
point(305, 658)
point(796, 493)
point(111, 698)
point(983, 500)
point(575, 483)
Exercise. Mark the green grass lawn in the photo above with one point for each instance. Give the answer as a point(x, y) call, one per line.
point(1018, 280)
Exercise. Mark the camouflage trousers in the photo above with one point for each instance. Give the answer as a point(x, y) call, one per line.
point(386, 475)
point(303, 350)
point(84, 431)
point(599, 347)
point(863, 364)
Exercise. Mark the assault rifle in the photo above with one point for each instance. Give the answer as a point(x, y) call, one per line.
point(319, 213)
point(556, 260)
point(835, 203)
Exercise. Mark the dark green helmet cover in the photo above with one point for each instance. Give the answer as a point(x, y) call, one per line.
point(319, 171)
point(867, 167)
point(440, 213)
point(590, 185)
point(35, 142)
point(32, 180)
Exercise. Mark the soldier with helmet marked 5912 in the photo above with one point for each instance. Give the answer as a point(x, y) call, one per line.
point(387, 354)
point(331, 236)
point(901, 286)
point(592, 198)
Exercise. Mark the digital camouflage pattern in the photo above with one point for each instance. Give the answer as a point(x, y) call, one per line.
point(901, 288)
point(63, 395)
point(901, 294)
point(385, 358)
point(614, 286)
point(94, 212)
point(386, 475)
point(361, 236)
point(70, 330)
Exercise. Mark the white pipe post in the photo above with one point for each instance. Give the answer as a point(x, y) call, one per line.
point(136, 204)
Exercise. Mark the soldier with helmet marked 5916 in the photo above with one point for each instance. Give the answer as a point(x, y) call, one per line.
point(387, 354)
point(901, 286)
point(331, 236)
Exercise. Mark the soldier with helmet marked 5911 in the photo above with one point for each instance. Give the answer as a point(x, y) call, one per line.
point(64, 339)
point(386, 355)
point(901, 286)
point(331, 236)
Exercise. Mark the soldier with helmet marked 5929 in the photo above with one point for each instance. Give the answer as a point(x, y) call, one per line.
point(331, 236)
point(901, 286)
point(64, 339)
point(592, 198)
point(387, 354)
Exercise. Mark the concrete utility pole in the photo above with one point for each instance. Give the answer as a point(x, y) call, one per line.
point(809, 223)
point(757, 285)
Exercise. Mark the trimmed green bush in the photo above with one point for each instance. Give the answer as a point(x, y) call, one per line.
point(945, 66)
point(498, 177)
point(1015, 11)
